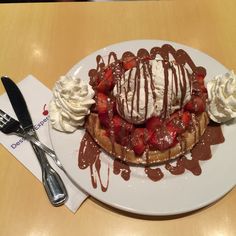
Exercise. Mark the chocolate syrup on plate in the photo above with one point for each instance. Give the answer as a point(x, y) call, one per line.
point(122, 168)
point(174, 64)
point(89, 156)
point(201, 152)
point(89, 153)
point(154, 174)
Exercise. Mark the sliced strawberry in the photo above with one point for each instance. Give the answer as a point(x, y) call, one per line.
point(102, 108)
point(107, 73)
point(147, 58)
point(171, 131)
point(203, 88)
point(200, 78)
point(163, 138)
point(153, 123)
point(138, 140)
point(175, 115)
point(139, 148)
point(102, 103)
point(177, 126)
point(179, 121)
point(121, 126)
point(107, 83)
point(123, 140)
point(117, 124)
point(190, 106)
point(201, 83)
point(129, 62)
point(186, 117)
point(196, 105)
point(104, 119)
point(153, 140)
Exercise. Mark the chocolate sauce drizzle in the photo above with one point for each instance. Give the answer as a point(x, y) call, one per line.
point(143, 70)
point(122, 168)
point(174, 64)
point(201, 152)
point(89, 156)
point(89, 152)
point(154, 174)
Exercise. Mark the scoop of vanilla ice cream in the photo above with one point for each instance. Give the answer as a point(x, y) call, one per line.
point(72, 99)
point(179, 89)
point(134, 98)
point(141, 93)
point(222, 97)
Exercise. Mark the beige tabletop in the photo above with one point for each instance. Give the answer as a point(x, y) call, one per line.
point(46, 40)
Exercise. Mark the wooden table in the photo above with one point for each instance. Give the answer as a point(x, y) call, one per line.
point(46, 40)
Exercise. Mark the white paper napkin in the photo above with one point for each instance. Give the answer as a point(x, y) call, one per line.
point(37, 97)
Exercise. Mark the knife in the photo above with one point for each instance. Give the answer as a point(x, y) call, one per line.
point(52, 182)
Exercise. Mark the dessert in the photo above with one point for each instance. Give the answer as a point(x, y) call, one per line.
point(150, 107)
point(144, 108)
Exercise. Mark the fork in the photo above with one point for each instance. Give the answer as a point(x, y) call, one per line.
point(8, 125)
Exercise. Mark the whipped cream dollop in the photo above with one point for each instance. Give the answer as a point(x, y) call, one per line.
point(72, 99)
point(157, 88)
point(222, 97)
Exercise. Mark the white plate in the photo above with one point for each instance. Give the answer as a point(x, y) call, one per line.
point(171, 195)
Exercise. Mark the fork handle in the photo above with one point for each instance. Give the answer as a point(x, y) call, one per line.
point(39, 144)
point(35, 141)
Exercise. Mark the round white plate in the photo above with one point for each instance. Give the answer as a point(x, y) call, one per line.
point(171, 195)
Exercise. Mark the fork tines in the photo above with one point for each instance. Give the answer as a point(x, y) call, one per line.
point(4, 118)
point(8, 124)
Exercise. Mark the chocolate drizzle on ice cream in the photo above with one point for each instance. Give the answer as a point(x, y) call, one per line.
point(159, 83)
point(138, 88)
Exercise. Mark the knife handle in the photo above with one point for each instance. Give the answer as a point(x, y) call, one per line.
point(52, 182)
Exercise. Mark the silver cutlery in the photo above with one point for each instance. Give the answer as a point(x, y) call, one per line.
point(9, 125)
point(52, 182)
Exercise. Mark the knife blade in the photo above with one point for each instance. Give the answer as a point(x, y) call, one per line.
point(52, 182)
